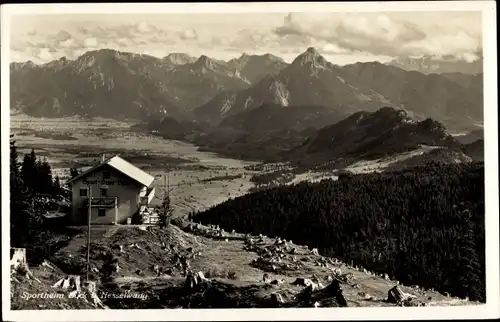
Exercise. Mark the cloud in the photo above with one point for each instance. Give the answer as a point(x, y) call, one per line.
point(331, 48)
point(188, 34)
point(124, 42)
point(143, 27)
point(368, 35)
point(69, 43)
point(43, 54)
point(379, 34)
point(90, 42)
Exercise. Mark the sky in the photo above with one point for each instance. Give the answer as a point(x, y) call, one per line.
point(340, 36)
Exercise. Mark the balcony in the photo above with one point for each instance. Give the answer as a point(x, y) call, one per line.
point(146, 197)
point(103, 202)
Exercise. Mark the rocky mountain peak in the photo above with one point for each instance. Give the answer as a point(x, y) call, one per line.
point(179, 58)
point(312, 58)
point(204, 61)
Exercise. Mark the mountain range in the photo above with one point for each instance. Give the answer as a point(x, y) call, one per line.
point(374, 134)
point(124, 85)
point(116, 84)
point(428, 64)
point(307, 135)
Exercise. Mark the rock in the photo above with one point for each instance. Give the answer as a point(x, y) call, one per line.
point(396, 295)
point(346, 277)
point(302, 281)
point(334, 289)
point(276, 282)
point(265, 278)
point(336, 271)
point(134, 245)
point(191, 281)
point(201, 276)
point(48, 265)
point(277, 299)
point(71, 282)
point(90, 289)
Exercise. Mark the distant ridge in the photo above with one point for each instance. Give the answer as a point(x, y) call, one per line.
point(370, 135)
point(209, 90)
point(428, 64)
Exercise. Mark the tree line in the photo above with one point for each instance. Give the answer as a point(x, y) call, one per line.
point(29, 180)
point(424, 225)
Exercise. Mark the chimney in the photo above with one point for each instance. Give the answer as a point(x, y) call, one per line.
point(103, 157)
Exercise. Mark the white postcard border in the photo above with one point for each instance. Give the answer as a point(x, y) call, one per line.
point(488, 310)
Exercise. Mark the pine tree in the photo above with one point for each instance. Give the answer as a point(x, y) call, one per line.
point(470, 278)
point(56, 187)
point(29, 171)
point(73, 172)
point(26, 221)
point(14, 162)
point(45, 183)
point(16, 182)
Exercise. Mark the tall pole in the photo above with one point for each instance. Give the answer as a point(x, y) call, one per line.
point(168, 186)
point(168, 183)
point(165, 185)
point(88, 232)
point(164, 191)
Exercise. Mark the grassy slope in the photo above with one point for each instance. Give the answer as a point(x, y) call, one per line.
point(236, 280)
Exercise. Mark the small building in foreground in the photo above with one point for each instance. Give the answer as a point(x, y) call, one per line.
point(117, 190)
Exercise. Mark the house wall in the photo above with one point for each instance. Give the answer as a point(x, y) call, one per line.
point(119, 185)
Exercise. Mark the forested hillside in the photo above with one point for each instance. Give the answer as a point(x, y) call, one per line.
point(423, 225)
point(33, 192)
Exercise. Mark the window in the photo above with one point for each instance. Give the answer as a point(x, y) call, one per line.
point(101, 212)
point(83, 192)
point(106, 175)
point(104, 192)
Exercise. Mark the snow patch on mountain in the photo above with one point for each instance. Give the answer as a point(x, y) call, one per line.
point(228, 104)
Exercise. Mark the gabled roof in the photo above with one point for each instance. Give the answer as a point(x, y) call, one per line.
point(124, 167)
